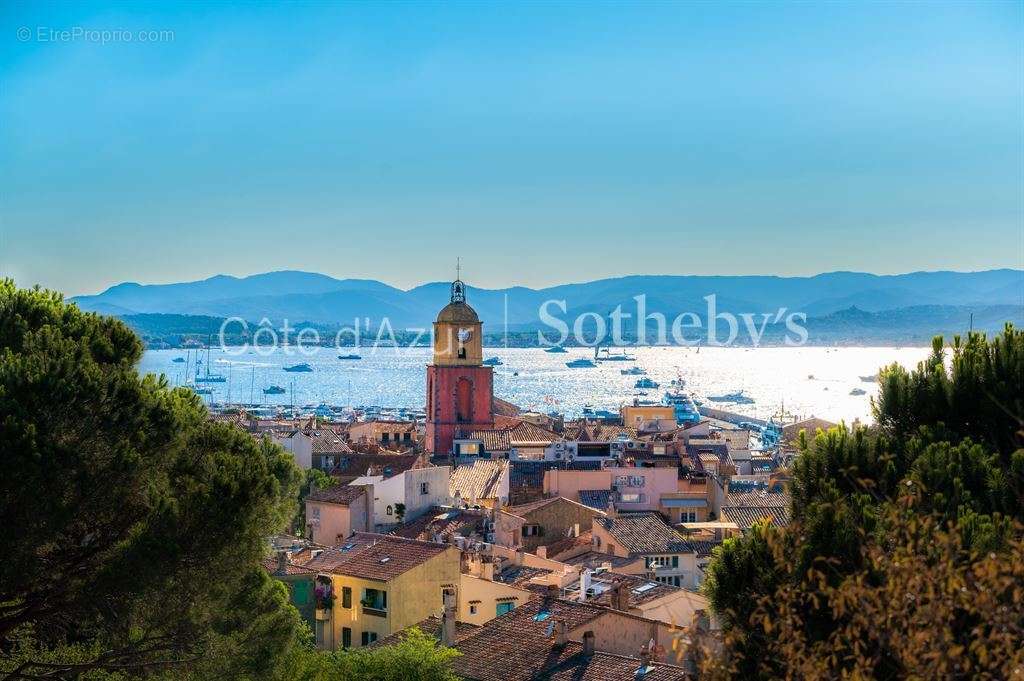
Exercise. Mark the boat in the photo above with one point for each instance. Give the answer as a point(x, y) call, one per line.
point(274, 390)
point(581, 363)
point(515, 373)
point(736, 398)
point(178, 360)
point(870, 379)
point(207, 377)
point(351, 356)
point(858, 391)
point(295, 368)
point(633, 371)
point(645, 383)
point(492, 362)
point(556, 349)
point(201, 390)
point(608, 356)
point(810, 377)
point(685, 409)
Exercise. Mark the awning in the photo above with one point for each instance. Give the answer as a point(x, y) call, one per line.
point(684, 503)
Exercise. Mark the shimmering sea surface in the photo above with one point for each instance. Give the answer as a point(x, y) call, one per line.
point(806, 380)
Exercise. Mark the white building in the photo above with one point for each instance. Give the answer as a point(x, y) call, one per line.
point(407, 495)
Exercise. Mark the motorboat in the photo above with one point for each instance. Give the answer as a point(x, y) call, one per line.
point(554, 349)
point(736, 398)
point(645, 383)
point(351, 356)
point(858, 391)
point(299, 368)
point(686, 411)
point(633, 371)
point(581, 363)
point(492, 362)
point(274, 390)
point(178, 360)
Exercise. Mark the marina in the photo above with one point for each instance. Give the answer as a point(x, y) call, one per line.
point(394, 377)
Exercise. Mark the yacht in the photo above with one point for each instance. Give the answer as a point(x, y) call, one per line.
point(685, 409)
point(556, 349)
point(178, 360)
point(299, 368)
point(869, 379)
point(351, 356)
point(274, 390)
point(606, 355)
point(581, 363)
point(633, 371)
point(858, 391)
point(645, 383)
point(736, 398)
point(492, 362)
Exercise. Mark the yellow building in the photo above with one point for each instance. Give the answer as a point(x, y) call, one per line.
point(636, 414)
point(374, 585)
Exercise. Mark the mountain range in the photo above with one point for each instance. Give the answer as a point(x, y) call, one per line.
point(304, 297)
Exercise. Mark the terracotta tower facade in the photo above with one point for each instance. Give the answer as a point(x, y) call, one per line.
point(460, 390)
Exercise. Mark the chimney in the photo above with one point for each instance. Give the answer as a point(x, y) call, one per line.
point(645, 659)
point(448, 620)
point(588, 643)
point(620, 598)
point(487, 571)
point(282, 562)
point(542, 552)
point(610, 511)
point(561, 633)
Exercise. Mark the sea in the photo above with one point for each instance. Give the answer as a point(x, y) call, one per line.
point(802, 381)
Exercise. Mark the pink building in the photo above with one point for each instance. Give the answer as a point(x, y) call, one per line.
point(334, 513)
point(635, 489)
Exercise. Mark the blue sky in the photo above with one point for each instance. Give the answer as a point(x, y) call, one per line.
point(543, 143)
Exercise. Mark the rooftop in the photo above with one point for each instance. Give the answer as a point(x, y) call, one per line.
point(478, 480)
point(644, 534)
point(339, 494)
point(376, 556)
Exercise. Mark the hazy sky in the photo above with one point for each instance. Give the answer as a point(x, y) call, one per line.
point(543, 143)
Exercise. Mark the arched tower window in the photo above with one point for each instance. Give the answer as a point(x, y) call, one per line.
point(464, 400)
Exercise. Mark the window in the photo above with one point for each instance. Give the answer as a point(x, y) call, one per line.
point(375, 598)
point(662, 561)
point(424, 488)
point(631, 498)
point(390, 511)
point(346, 597)
point(472, 610)
point(407, 437)
point(629, 480)
point(503, 608)
point(531, 530)
point(688, 516)
point(316, 513)
point(384, 437)
point(346, 637)
point(369, 637)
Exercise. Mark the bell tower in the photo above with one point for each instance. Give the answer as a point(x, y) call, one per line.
point(460, 390)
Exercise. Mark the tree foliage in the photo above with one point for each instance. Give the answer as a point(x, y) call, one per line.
point(133, 525)
point(944, 461)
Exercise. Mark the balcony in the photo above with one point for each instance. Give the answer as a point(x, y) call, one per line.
point(322, 614)
point(374, 611)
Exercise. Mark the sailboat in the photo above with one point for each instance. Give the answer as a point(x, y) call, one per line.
point(208, 377)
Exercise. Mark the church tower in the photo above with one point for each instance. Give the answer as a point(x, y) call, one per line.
point(460, 390)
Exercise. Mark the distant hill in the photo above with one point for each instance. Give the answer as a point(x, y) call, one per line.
point(926, 299)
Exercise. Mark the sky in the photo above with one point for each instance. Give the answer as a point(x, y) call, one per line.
point(542, 143)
